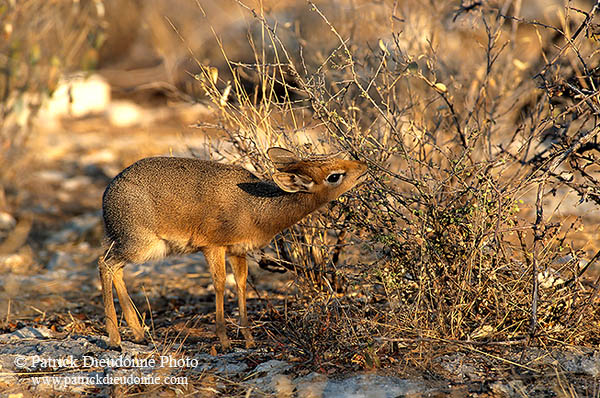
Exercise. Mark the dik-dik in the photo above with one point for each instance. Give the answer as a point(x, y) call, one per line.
point(166, 205)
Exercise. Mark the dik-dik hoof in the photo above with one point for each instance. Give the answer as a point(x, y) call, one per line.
point(249, 339)
point(225, 344)
point(114, 347)
point(140, 340)
point(139, 336)
point(114, 342)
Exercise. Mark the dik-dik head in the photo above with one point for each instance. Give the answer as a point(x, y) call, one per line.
point(327, 178)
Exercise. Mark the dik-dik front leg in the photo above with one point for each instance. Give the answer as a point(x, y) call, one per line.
point(240, 271)
point(215, 257)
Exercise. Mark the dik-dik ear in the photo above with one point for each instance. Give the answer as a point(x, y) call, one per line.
point(282, 157)
point(291, 182)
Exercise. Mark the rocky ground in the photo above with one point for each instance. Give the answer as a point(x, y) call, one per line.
point(36, 361)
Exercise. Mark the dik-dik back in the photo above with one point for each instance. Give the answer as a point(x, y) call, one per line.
point(178, 204)
point(164, 205)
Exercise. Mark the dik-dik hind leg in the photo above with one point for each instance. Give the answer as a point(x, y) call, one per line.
point(215, 257)
point(240, 271)
point(127, 306)
point(107, 269)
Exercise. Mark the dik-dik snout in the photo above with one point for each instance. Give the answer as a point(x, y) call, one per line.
point(165, 205)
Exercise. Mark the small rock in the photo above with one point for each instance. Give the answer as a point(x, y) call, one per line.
point(283, 386)
point(230, 368)
point(125, 114)
point(17, 263)
point(100, 156)
point(269, 375)
point(458, 366)
point(311, 386)
point(7, 221)
point(581, 364)
point(231, 363)
point(28, 332)
point(77, 182)
point(51, 176)
point(272, 367)
point(74, 229)
point(60, 260)
point(78, 96)
point(360, 386)
point(510, 388)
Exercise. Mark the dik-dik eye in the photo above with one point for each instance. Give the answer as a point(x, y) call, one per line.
point(334, 178)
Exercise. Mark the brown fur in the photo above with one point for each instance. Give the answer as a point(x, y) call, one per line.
point(165, 205)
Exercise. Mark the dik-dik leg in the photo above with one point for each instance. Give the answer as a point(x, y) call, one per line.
point(215, 257)
point(240, 271)
point(127, 306)
point(107, 268)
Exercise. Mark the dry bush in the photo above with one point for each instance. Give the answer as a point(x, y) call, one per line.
point(454, 118)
